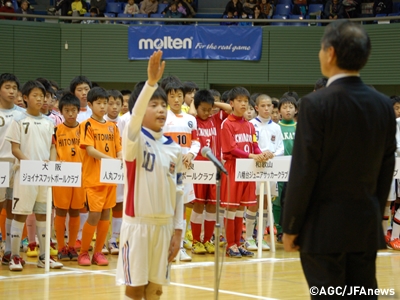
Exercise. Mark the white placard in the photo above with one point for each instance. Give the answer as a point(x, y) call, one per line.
point(276, 169)
point(4, 174)
point(200, 172)
point(112, 171)
point(396, 174)
point(52, 173)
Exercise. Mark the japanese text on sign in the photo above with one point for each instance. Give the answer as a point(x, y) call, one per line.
point(200, 172)
point(112, 171)
point(52, 173)
point(4, 174)
point(276, 169)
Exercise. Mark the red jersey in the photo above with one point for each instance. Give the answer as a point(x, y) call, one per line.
point(208, 133)
point(238, 138)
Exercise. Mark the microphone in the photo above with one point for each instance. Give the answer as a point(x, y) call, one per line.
point(207, 153)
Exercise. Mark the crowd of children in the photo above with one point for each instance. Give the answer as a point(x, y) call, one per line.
point(86, 123)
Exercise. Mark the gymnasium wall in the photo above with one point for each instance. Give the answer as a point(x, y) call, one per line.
point(289, 58)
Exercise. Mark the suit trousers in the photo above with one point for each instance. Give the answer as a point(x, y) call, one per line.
point(351, 272)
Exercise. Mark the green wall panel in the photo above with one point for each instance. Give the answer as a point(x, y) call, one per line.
point(7, 49)
point(71, 58)
point(294, 55)
point(241, 72)
point(36, 51)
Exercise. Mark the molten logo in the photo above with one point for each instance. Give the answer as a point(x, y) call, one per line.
point(166, 43)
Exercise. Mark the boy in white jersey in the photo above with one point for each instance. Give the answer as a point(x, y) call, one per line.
point(9, 86)
point(182, 128)
point(114, 107)
point(270, 139)
point(153, 207)
point(31, 139)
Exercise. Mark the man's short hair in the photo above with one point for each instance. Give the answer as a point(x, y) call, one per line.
point(97, 93)
point(320, 83)
point(238, 91)
point(351, 43)
point(287, 99)
point(69, 99)
point(8, 77)
point(203, 96)
point(77, 81)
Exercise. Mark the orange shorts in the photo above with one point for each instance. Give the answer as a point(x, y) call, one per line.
point(68, 197)
point(234, 193)
point(205, 193)
point(102, 197)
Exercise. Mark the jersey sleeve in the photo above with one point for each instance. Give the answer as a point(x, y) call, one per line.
point(117, 139)
point(195, 146)
point(280, 150)
point(178, 217)
point(14, 133)
point(87, 137)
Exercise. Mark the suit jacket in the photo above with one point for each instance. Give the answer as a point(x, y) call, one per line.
point(342, 168)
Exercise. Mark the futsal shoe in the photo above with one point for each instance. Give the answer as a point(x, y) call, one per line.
point(183, 256)
point(187, 244)
point(53, 264)
point(198, 248)
point(84, 259)
point(113, 247)
point(63, 255)
point(99, 259)
point(388, 236)
point(233, 251)
point(210, 248)
point(72, 254)
point(250, 245)
point(105, 250)
point(395, 244)
point(32, 250)
point(265, 246)
point(244, 252)
point(15, 264)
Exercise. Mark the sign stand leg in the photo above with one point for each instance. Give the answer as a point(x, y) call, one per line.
point(48, 230)
point(217, 234)
point(271, 218)
point(260, 231)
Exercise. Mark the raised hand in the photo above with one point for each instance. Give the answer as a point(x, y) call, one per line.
point(155, 68)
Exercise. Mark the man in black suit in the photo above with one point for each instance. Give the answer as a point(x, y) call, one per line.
point(342, 168)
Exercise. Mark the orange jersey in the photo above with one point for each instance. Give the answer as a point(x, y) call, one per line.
point(66, 140)
point(104, 137)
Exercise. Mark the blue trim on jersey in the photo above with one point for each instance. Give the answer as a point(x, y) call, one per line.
point(148, 134)
point(258, 120)
point(169, 140)
point(270, 121)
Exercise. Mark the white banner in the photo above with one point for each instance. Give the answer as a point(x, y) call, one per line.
point(4, 174)
point(52, 173)
point(200, 172)
point(276, 169)
point(112, 171)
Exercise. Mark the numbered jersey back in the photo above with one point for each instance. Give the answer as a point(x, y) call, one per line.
point(66, 140)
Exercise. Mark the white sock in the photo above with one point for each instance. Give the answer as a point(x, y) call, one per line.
point(221, 219)
point(396, 225)
point(41, 234)
point(386, 220)
point(265, 220)
point(116, 229)
point(16, 234)
point(83, 219)
point(250, 223)
point(8, 238)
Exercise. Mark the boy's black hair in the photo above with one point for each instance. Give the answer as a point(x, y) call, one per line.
point(77, 81)
point(262, 96)
point(135, 94)
point(291, 94)
point(275, 103)
point(225, 97)
point(253, 97)
point(5, 77)
point(69, 99)
point(320, 83)
point(395, 99)
point(29, 86)
point(47, 85)
point(215, 93)
point(253, 104)
point(97, 93)
point(189, 87)
point(238, 91)
point(203, 96)
point(54, 85)
point(287, 99)
point(169, 79)
point(174, 86)
point(125, 92)
point(116, 94)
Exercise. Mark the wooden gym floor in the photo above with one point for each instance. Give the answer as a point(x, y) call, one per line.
point(274, 276)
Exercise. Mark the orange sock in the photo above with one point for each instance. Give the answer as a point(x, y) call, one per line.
point(74, 223)
point(87, 235)
point(59, 224)
point(3, 217)
point(24, 232)
point(102, 231)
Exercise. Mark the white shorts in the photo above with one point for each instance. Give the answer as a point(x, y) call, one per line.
point(188, 193)
point(28, 198)
point(120, 193)
point(392, 193)
point(144, 248)
point(273, 186)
